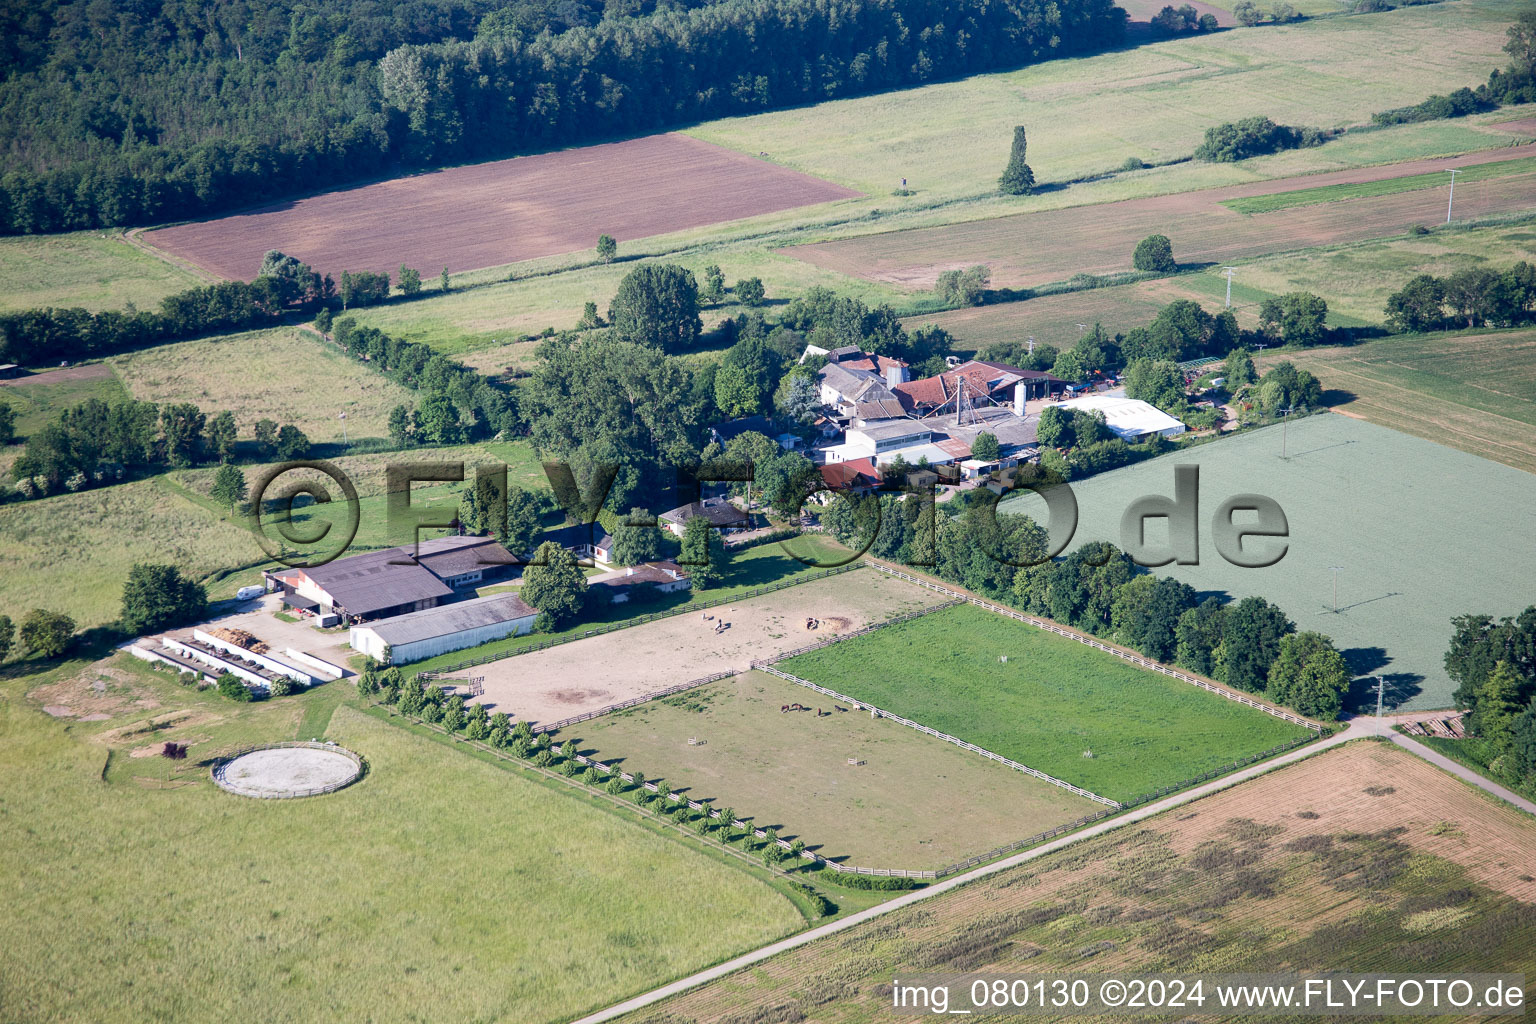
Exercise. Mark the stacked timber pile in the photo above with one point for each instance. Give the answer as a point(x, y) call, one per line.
point(240, 638)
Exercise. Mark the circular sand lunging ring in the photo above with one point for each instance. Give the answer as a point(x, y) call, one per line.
point(283, 770)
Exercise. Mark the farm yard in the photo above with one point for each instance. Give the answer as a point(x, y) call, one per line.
point(1060, 707)
point(1469, 390)
point(1406, 518)
point(1363, 858)
point(490, 214)
point(1099, 239)
point(596, 672)
point(286, 374)
point(394, 892)
point(910, 802)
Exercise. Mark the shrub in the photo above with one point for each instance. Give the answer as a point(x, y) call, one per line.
point(230, 685)
point(875, 883)
point(1254, 136)
point(1154, 253)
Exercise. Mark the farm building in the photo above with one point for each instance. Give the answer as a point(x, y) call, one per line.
point(584, 540)
point(1131, 419)
point(380, 584)
point(976, 382)
point(451, 627)
point(722, 515)
point(664, 577)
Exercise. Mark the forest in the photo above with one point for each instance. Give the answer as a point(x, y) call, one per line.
point(120, 114)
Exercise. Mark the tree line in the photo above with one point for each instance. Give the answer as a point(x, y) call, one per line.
point(154, 116)
point(1474, 297)
point(1505, 87)
point(283, 286)
point(98, 442)
point(1249, 644)
point(1493, 663)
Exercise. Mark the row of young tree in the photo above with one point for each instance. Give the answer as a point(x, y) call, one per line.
point(430, 703)
point(100, 442)
point(1472, 297)
point(181, 122)
point(1493, 662)
point(1248, 644)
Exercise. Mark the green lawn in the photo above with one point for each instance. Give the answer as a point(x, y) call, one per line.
point(913, 802)
point(439, 887)
point(93, 269)
point(1049, 706)
point(1423, 532)
point(1383, 187)
point(749, 569)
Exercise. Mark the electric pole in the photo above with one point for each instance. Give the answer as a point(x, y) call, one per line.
point(1452, 198)
point(1335, 569)
point(1229, 271)
point(1285, 419)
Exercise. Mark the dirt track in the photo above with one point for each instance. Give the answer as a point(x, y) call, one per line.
point(486, 215)
point(586, 675)
point(1037, 248)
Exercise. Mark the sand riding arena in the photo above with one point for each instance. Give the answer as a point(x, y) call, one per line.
point(286, 770)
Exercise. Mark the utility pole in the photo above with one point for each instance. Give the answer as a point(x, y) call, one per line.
point(1381, 687)
point(1031, 345)
point(1285, 419)
point(1335, 569)
point(1452, 198)
point(343, 418)
point(1229, 271)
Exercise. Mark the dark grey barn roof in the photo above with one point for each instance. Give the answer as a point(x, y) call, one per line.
point(371, 582)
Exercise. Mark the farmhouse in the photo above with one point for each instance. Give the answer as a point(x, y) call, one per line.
point(720, 513)
point(1131, 419)
point(976, 381)
point(665, 577)
point(433, 631)
point(584, 540)
point(858, 387)
point(380, 584)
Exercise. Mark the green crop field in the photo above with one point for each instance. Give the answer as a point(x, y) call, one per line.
point(1470, 390)
point(93, 269)
point(1363, 858)
point(437, 881)
point(286, 375)
point(1383, 187)
point(1423, 532)
point(1060, 707)
point(39, 401)
point(912, 802)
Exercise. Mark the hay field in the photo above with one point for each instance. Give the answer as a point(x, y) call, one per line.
point(1087, 115)
point(283, 374)
point(490, 320)
point(95, 270)
point(914, 802)
point(489, 214)
point(492, 897)
point(1472, 391)
point(1302, 869)
point(1355, 279)
point(1060, 707)
point(1033, 249)
point(1424, 532)
point(71, 552)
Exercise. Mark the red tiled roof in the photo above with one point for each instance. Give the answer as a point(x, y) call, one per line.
point(846, 475)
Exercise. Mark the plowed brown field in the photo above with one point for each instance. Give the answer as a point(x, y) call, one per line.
point(485, 215)
point(1364, 858)
point(1037, 248)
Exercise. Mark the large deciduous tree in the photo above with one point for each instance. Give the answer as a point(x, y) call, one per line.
point(1309, 675)
point(554, 584)
point(657, 304)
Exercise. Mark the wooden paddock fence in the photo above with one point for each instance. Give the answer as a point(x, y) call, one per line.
point(641, 620)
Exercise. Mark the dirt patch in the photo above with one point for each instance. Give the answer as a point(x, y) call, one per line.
point(92, 371)
point(99, 692)
point(495, 213)
point(1523, 126)
point(588, 675)
point(1099, 239)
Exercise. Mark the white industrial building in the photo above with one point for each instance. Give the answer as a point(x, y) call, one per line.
point(1130, 418)
point(449, 627)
